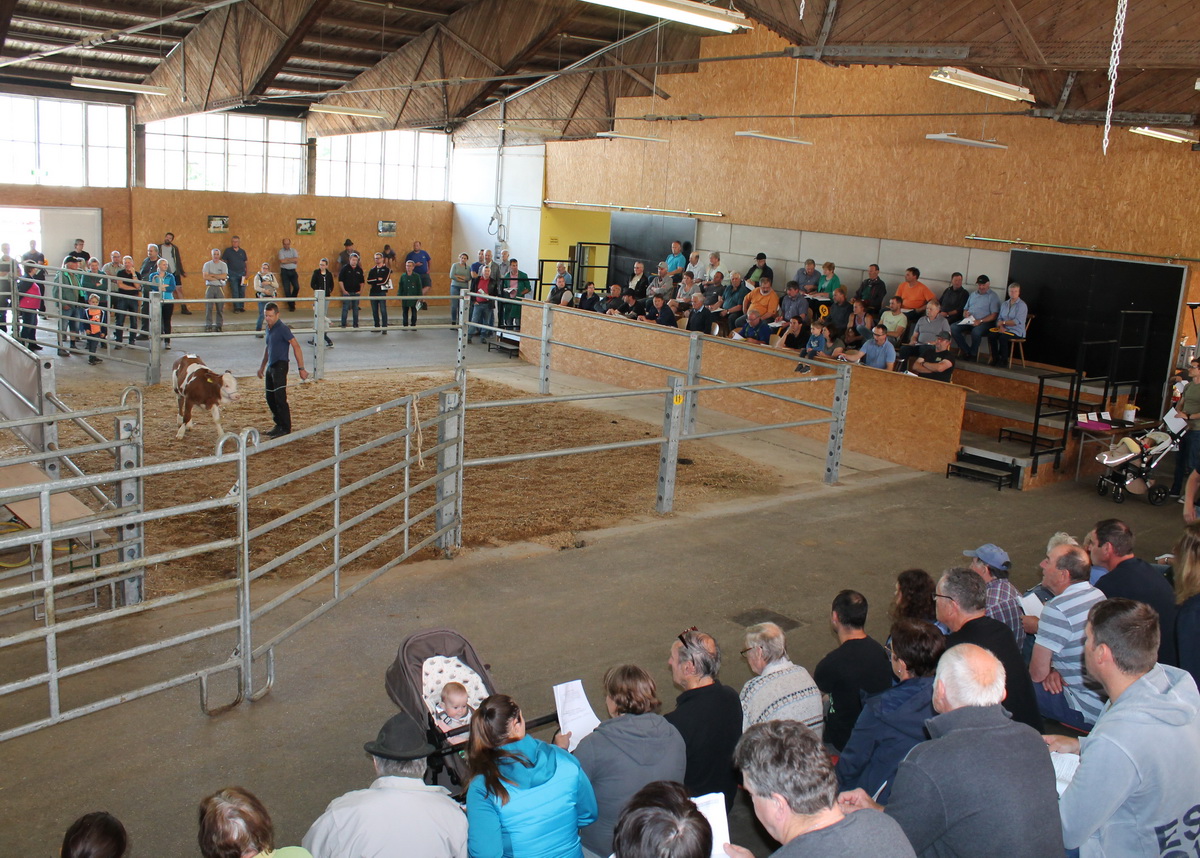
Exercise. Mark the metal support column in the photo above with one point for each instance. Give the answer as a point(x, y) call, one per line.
point(695, 346)
point(544, 359)
point(321, 330)
point(668, 459)
point(129, 500)
point(46, 387)
point(154, 362)
point(837, 429)
point(448, 465)
point(245, 641)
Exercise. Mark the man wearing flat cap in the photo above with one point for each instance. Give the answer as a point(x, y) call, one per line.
point(399, 814)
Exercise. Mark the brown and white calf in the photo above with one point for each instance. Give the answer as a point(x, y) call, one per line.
point(197, 386)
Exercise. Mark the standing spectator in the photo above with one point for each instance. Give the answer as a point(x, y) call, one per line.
point(266, 288)
point(350, 279)
point(420, 260)
point(515, 285)
point(633, 748)
point(148, 269)
point(216, 273)
point(859, 665)
point(322, 279)
point(289, 259)
point(163, 282)
point(129, 289)
point(65, 296)
point(33, 255)
point(389, 256)
point(1188, 407)
point(29, 301)
point(1187, 583)
point(8, 296)
point(235, 258)
point(94, 329)
point(411, 284)
point(169, 251)
point(1010, 325)
point(892, 722)
point(233, 822)
point(95, 283)
point(779, 690)
point(274, 368)
point(481, 307)
point(460, 281)
point(707, 714)
point(990, 562)
point(79, 253)
point(347, 251)
point(95, 835)
point(379, 283)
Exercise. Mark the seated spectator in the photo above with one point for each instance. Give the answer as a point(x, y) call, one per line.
point(633, 748)
point(95, 835)
point(754, 328)
point(695, 267)
point(560, 270)
point(858, 666)
point(731, 302)
point(631, 307)
point(794, 792)
point(808, 277)
point(925, 333)
point(838, 319)
point(817, 345)
point(780, 690)
point(234, 822)
point(715, 286)
point(829, 281)
point(872, 291)
point(983, 785)
point(914, 598)
point(954, 299)
point(659, 312)
point(1128, 577)
point(763, 299)
point(612, 304)
point(1187, 585)
point(793, 336)
point(961, 599)
point(525, 797)
point(707, 714)
point(913, 295)
point(793, 304)
point(453, 711)
point(700, 318)
point(759, 270)
point(940, 365)
point(1134, 792)
point(980, 311)
point(858, 329)
point(566, 298)
point(878, 353)
point(990, 562)
point(660, 821)
point(556, 293)
point(661, 283)
point(894, 320)
point(1010, 325)
point(683, 294)
point(590, 300)
point(714, 268)
point(1056, 665)
point(892, 722)
point(639, 282)
point(399, 807)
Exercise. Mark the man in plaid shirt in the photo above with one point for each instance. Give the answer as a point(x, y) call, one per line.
point(991, 563)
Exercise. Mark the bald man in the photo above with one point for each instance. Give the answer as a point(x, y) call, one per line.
point(981, 779)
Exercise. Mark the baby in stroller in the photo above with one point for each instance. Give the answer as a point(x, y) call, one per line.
point(1131, 463)
point(453, 711)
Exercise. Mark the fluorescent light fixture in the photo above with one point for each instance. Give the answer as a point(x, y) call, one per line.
point(347, 111)
point(119, 86)
point(952, 137)
point(613, 135)
point(620, 208)
point(683, 11)
point(528, 129)
point(979, 83)
point(1165, 134)
point(762, 136)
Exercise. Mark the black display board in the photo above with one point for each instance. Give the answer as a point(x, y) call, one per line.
point(645, 238)
point(1080, 298)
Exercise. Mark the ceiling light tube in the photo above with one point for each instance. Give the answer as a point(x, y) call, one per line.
point(684, 12)
point(528, 129)
point(979, 83)
point(613, 135)
point(952, 137)
point(119, 86)
point(1165, 134)
point(347, 111)
point(620, 208)
point(762, 136)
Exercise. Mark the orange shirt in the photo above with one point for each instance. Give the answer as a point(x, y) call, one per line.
point(913, 296)
point(766, 305)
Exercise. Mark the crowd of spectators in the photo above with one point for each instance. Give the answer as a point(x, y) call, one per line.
point(936, 741)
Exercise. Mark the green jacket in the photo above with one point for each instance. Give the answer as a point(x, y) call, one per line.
point(68, 285)
point(410, 284)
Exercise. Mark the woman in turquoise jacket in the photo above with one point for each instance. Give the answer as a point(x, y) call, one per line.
point(526, 798)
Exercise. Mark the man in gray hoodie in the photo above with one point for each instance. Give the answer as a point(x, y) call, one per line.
point(1135, 792)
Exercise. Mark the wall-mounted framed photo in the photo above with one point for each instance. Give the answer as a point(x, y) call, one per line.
point(218, 223)
point(306, 226)
point(386, 228)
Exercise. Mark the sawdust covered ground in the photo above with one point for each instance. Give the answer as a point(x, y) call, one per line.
point(544, 500)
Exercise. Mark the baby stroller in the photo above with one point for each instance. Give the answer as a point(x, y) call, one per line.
point(1131, 462)
point(427, 661)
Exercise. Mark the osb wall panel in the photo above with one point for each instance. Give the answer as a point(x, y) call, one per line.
point(881, 420)
point(878, 176)
point(1013, 389)
point(264, 220)
point(114, 204)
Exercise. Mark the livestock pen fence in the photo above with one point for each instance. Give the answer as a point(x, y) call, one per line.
point(264, 536)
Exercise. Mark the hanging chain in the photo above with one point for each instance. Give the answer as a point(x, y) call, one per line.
point(801, 15)
point(1114, 62)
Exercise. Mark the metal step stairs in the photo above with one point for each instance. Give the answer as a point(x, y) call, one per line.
point(985, 469)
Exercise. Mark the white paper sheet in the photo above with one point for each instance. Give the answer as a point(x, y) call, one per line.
point(1064, 769)
point(713, 808)
point(1032, 605)
point(737, 336)
point(575, 714)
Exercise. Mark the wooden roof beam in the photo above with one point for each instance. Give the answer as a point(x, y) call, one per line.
point(640, 78)
point(283, 53)
point(6, 12)
point(170, 33)
point(1016, 25)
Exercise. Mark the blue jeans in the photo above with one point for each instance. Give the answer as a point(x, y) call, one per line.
point(1055, 706)
point(350, 305)
point(237, 290)
point(960, 332)
point(481, 314)
point(262, 308)
point(1186, 459)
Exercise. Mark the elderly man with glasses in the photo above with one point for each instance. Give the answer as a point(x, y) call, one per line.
point(780, 690)
point(707, 714)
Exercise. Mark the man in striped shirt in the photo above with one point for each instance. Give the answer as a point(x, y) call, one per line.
point(1057, 667)
point(781, 691)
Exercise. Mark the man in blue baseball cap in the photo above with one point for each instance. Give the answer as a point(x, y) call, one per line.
point(990, 562)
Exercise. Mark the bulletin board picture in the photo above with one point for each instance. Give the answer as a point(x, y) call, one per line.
point(218, 223)
point(306, 226)
point(386, 228)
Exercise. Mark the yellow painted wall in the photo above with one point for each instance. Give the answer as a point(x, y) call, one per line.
point(562, 228)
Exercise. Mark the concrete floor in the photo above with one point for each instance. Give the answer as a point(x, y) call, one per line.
point(538, 616)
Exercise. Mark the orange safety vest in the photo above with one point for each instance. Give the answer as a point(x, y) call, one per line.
point(95, 315)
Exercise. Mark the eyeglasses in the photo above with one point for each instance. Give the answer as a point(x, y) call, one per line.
point(747, 649)
point(891, 653)
point(684, 632)
point(940, 596)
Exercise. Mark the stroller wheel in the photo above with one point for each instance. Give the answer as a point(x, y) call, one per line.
point(1158, 495)
point(1118, 494)
point(1102, 487)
